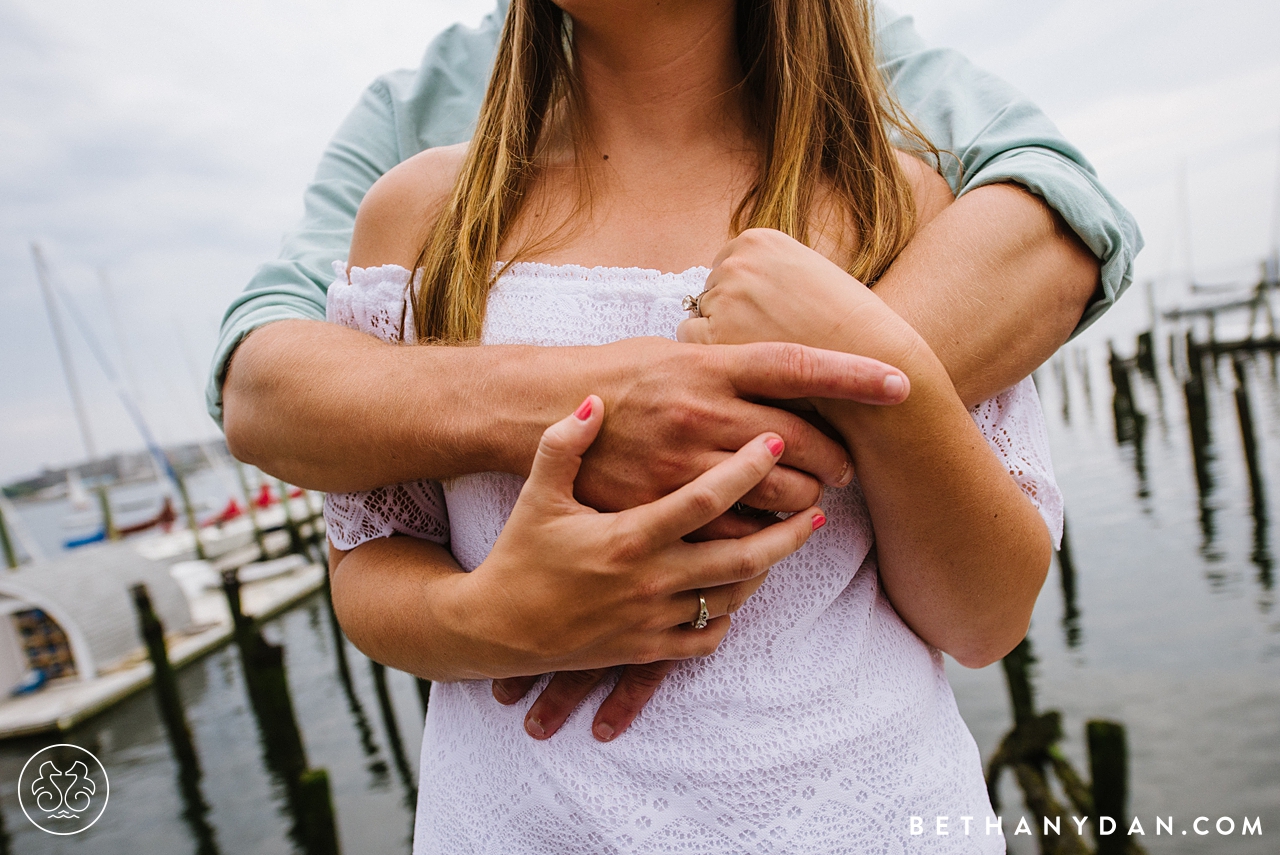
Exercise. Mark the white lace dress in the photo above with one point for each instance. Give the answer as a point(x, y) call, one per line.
point(822, 725)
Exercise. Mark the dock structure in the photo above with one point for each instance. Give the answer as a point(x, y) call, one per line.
point(73, 619)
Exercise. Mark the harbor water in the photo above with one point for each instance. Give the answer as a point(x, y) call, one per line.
point(1168, 625)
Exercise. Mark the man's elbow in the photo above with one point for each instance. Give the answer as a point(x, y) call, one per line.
point(1079, 272)
point(238, 428)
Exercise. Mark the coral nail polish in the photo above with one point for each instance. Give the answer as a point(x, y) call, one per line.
point(775, 446)
point(819, 520)
point(584, 411)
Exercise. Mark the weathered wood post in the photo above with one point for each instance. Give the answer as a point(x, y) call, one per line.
point(1109, 769)
point(195, 808)
point(1122, 399)
point(1248, 437)
point(424, 694)
point(1146, 357)
point(165, 682)
point(251, 509)
point(1198, 416)
point(6, 543)
point(296, 544)
point(1261, 555)
point(316, 813)
point(367, 741)
point(188, 511)
point(393, 729)
point(268, 688)
point(1016, 671)
point(108, 519)
point(1067, 573)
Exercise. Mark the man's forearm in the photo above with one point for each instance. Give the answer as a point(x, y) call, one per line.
point(332, 409)
point(994, 284)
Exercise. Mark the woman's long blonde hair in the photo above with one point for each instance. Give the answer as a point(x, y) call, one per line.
point(815, 95)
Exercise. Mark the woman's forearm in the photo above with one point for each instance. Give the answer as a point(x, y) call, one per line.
point(962, 553)
point(391, 596)
point(995, 283)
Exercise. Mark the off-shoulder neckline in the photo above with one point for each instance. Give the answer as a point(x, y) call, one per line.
point(538, 267)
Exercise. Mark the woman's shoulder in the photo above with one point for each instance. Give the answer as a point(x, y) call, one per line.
point(930, 190)
point(394, 215)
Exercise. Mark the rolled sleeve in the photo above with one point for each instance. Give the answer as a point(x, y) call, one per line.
point(990, 133)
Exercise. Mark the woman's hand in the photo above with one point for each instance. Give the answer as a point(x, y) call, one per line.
point(766, 286)
point(568, 588)
point(961, 551)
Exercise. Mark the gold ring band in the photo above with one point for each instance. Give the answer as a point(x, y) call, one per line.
point(700, 622)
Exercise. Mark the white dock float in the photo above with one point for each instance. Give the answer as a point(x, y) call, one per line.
point(205, 624)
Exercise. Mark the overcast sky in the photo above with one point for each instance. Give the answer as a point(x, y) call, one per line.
point(168, 143)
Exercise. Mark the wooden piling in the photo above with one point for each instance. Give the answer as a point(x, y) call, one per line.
point(367, 741)
point(316, 818)
point(188, 511)
point(1017, 665)
point(1109, 769)
point(1146, 357)
point(296, 543)
point(267, 685)
point(1198, 417)
point(424, 693)
point(6, 544)
point(251, 509)
point(1067, 574)
point(165, 682)
point(108, 520)
point(393, 729)
point(1261, 553)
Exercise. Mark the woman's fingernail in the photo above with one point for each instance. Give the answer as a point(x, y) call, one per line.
point(893, 386)
point(819, 520)
point(583, 412)
point(775, 446)
point(846, 475)
point(604, 732)
point(534, 728)
point(500, 694)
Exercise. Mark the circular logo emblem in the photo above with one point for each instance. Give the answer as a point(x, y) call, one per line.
point(63, 789)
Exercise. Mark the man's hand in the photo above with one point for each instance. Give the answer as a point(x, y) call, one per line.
point(680, 410)
point(331, 409)
point(636, 685)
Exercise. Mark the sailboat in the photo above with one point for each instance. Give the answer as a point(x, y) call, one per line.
point(77, 495)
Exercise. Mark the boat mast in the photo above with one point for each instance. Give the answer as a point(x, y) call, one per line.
point(1183, 204)
point(126, 357)
point(1273, 260)
point(64, 353)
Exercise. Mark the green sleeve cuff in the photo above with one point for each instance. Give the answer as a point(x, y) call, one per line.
point(279, 295)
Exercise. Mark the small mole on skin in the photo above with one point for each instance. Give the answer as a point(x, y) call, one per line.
point(606, 157)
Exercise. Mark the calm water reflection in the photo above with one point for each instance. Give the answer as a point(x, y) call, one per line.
point(237, 806)
point(1165, 616)
point(1160, 614)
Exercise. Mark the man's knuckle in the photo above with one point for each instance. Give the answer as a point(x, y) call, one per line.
point(645, 678)
point(771, 492)
point(647, 588)
point(631, 543)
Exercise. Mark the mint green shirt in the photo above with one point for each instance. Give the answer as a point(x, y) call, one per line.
point(996, 134)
